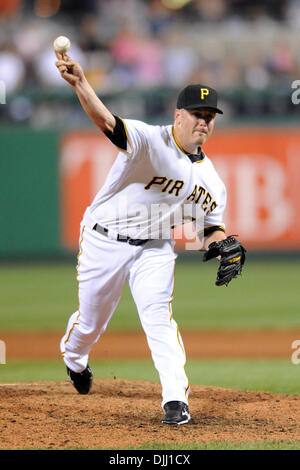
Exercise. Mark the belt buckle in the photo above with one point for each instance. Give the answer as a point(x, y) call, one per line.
point(122, 238)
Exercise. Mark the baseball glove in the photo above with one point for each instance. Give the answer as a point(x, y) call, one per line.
point(232, 258)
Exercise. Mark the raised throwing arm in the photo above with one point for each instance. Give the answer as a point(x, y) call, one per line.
point(73, 73)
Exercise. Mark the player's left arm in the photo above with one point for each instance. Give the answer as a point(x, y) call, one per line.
point(232, 255)
point(227, 249)
point(213, 234)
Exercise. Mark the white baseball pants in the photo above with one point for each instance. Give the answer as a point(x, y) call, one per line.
point(104, 265)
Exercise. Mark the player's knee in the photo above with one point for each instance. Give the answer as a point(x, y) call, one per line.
point(156, 313)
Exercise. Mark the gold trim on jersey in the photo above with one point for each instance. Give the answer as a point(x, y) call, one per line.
point(218, 228)
point(178, 145)
point(181, 149)
point(127, 137)
point(210, 226)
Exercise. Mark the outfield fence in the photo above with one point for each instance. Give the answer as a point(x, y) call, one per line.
point(49, 177)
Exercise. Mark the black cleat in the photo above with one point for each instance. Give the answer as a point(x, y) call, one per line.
point(82, 381)
point(176, 412)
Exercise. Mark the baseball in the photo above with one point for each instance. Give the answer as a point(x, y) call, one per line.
point(62, 44)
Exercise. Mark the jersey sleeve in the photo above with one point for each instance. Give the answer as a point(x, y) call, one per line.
point(214, 220)
point(118, 137)
point(130, 136)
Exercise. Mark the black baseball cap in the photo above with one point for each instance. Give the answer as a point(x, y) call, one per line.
point(198, 96)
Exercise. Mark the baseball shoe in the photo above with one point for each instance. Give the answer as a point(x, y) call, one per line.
point(82, 381)
point(176, 412)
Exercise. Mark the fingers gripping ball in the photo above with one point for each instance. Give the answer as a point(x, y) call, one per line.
point(232, 255)
point(62, 44)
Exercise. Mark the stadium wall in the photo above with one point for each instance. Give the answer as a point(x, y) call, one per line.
point(49, 177)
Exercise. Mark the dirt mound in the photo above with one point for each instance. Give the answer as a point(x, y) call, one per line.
point(120, 413)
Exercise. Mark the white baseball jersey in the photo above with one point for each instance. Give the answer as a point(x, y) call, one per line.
point(153, 186)
point(145, 193)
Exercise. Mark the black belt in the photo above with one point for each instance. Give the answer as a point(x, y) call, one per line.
point(120, 238)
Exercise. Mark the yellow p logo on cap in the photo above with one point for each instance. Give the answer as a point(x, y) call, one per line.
point(204, 93)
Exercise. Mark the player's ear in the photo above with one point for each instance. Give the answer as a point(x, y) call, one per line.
point(177, 114)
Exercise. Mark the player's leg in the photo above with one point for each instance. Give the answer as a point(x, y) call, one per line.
point(152, 281)
point(101, 272)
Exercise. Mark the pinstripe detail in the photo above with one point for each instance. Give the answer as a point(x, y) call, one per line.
point(170, 319)
point(78, 264)
point(73, 326)
point(187, 389)
point(170, 309)
point(180, 341)
point(80, 250)
point(172, 296)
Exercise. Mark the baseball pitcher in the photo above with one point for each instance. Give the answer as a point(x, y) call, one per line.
point(161, 178)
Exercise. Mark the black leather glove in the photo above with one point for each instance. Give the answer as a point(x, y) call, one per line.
point(232, 255)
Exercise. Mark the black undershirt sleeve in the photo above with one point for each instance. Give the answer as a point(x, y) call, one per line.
point(118, 137)
point(214, 228)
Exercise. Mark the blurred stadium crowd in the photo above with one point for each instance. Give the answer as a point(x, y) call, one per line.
point(248, 49)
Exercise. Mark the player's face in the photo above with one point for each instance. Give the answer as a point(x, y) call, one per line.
point(194, 127)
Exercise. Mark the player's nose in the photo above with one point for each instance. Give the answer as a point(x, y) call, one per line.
point(202, 124)
point(203, 120)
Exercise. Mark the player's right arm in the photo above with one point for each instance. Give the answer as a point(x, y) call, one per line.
point(72, 72)
point(129, 137)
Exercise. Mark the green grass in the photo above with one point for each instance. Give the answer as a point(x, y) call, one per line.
point(272, 375)
point(223, 445)
point(42, 297)
point(201, 446)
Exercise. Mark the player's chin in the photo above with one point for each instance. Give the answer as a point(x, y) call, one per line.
point(201, 139)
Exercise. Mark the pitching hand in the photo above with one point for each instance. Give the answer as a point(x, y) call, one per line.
point(70, 70)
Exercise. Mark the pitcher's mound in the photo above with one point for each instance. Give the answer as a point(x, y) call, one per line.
point(121, 413)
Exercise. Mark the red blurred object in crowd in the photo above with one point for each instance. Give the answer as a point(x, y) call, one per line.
point(9, 7)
